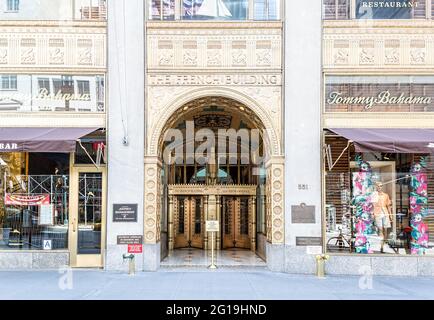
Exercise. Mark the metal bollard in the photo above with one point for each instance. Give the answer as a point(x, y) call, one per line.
point(131, 263)
point(320, 265)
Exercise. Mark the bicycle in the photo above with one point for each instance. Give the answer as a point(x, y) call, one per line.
point(340, 243)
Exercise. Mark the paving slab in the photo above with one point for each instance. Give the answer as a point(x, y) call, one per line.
point(203, 284)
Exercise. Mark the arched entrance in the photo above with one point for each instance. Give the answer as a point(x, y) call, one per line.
point(213, 154)
point(216, 158)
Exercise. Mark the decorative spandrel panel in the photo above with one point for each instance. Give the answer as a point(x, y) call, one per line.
point(214, 45)
point(165, 94)
point(53, 45)
point(378, 46)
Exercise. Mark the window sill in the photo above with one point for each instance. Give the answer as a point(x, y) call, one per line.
point(222, 24)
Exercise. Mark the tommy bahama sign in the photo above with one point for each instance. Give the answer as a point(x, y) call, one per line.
point(379, 94)
point(383, 98)
point(27, 200)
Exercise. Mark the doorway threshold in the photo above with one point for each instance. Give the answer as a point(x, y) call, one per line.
point(197, 258)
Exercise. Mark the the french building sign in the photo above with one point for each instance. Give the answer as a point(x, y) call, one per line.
point(214, 80)
point(383, 98)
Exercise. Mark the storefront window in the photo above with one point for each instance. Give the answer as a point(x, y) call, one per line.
point(379, 199)
point(379, 9)
point(379, 93)
point(34, 201)
point(77, 93)
point(61, 10)
point(92, 149)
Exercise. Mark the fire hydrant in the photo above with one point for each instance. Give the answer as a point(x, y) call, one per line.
point(320, 265)
point(131, 263)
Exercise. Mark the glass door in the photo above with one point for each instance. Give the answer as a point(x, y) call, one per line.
point(87, 221)
point(236, 218)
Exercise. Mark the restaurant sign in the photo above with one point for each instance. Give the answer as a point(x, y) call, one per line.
point(27, 200)
point(386, 9)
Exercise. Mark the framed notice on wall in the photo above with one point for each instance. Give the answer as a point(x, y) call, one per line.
point(46, 214)
point(125, 212)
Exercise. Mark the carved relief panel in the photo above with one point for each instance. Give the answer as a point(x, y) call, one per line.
point(406, 46)
point(45, 45)
point(213, 45)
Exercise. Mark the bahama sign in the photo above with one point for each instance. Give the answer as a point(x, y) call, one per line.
point(383, 98)
point(385, 9)
point(43, 94)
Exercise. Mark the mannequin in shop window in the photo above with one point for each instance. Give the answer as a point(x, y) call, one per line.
point(382, 212)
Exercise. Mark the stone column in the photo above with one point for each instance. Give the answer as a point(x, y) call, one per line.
point(125, 123)
point(275, 213)
point(302, 128)
point(152, 227)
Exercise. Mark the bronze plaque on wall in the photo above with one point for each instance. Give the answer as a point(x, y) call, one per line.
point(303, 214)
point(308, 241)
point(125, 212)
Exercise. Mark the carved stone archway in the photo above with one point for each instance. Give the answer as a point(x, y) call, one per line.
point(153, 165)
point(180, 100)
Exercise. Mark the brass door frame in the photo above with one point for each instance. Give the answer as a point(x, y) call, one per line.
point(212, 209)
point(188, 239)
point(235, 239)
point(85, 260)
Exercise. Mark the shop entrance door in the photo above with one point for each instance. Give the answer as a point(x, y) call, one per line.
point(87, 217)
point(235, 222)
point(189, 222)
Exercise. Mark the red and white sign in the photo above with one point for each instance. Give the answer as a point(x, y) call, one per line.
point(135, 248)
point(27, 200)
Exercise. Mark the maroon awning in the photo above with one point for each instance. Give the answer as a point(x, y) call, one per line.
point(389, 140)
point(61, 140)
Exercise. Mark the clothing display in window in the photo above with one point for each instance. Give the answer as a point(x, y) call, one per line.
point(419, 207)
point(382, 203)
point(362, 183)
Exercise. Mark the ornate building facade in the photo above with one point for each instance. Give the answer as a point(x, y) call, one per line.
point(129, 126)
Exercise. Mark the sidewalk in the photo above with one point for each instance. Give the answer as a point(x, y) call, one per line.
point(200, 284)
